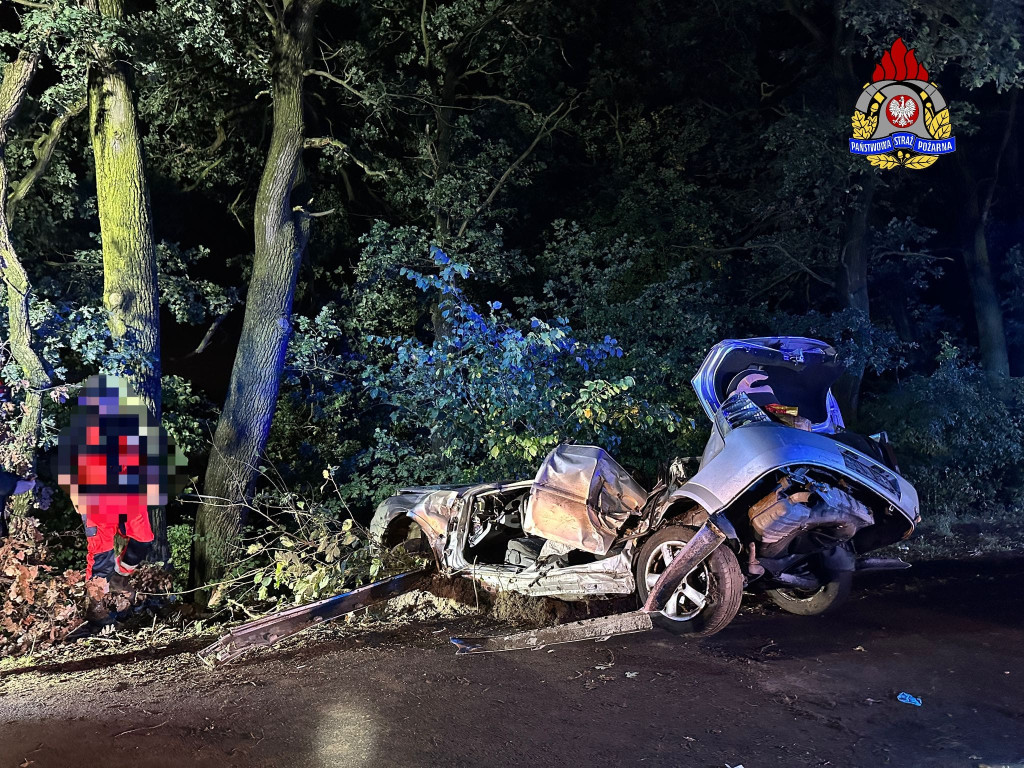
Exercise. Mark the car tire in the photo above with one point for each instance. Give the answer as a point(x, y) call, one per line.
point(718, 580)
point(825, 600)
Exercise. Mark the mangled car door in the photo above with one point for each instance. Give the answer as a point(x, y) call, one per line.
point(581, 498)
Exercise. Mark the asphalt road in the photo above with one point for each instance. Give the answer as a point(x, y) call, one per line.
point(772, 690)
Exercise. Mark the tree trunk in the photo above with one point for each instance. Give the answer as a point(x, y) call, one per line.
point(16, 78)
point(852, 282)
point(281, 234)
point(853, 291)
point(987, 313)
point(130, 292)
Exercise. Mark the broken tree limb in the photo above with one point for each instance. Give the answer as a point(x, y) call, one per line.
point(278, 626)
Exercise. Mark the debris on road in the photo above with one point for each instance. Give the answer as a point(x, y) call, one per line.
point(588, 629)
point(906, 698)
point(278, 626)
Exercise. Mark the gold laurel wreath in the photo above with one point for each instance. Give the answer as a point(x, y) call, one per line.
point(938, 126)
point(864, 125)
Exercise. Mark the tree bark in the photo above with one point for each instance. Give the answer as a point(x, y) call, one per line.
point(281, 233)
point(853, 290)
point(17, 76)
point(130, 292)
point(988, 314)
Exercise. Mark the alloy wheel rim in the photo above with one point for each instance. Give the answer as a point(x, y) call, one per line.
point(692, 596)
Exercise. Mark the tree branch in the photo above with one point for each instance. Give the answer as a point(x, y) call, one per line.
point(209, 335)
point(732, 249)
point(343, 83)
point(43, 150)
point(231, 114)
point(423, 33)
point(266, 12)
point(323, 142)
point(797, 262)
point(987, 207)
point(542, 134)
point(502, 100)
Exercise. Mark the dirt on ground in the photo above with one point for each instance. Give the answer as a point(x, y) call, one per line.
point(771, 690)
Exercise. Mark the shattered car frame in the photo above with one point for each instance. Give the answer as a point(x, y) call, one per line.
point(784, 500)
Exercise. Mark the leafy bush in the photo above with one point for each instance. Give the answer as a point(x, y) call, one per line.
point(299, 549)
point(959, 436)
point(486, 397)
point(39, 605)
point(179, 537)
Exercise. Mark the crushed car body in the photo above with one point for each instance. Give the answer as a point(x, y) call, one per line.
point(784, 500)
point(553, 536)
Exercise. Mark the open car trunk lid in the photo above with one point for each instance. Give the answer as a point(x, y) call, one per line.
point(797, 371)
point(580, 498)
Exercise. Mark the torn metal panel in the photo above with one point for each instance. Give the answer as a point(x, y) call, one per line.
point(610, 576)
point(588, 629)
point(431, 508)
point(278, 626)
point(751, 453)
point(581, 498)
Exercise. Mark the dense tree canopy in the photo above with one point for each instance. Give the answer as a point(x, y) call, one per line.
point(423, 241)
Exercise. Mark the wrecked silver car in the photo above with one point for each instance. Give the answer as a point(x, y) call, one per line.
point(784, 499)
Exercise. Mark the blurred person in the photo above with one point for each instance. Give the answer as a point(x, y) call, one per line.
point(114, 465)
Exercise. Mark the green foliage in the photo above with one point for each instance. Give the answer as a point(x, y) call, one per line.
point(191, 301)
point(301, 548)
point(314, 423)
point(179, 537)
point(187, 415)
point(958, 436)
point(487, 398)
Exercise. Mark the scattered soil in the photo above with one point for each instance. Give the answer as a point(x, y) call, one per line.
point(387, 689)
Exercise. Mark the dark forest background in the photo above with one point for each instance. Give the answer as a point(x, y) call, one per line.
point(493, 226)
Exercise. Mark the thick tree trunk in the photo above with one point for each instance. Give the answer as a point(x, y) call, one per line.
point(987, 312)
point(16, 78)
point(130, 292)
point(852, 281)
point(281, 235)
point(853, 290)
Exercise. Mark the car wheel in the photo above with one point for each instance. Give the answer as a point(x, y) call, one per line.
point(707, 599)
point(825, 599)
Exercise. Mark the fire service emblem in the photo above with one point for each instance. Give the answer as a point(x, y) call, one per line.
point(901, 120)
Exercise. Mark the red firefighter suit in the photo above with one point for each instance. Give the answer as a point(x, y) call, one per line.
point(113, 465)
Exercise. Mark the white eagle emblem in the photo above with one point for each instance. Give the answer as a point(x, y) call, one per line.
point(902, 111)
